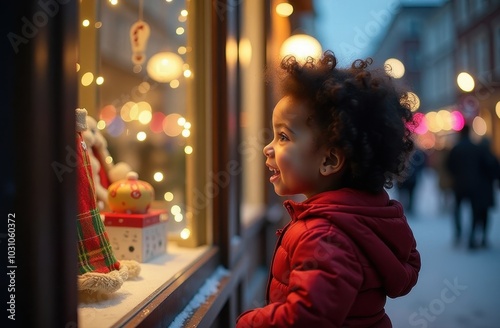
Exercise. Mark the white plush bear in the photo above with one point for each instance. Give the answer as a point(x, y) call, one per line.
point(104, 170)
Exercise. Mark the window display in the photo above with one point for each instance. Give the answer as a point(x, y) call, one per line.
point(146, 112)
point(134, 74)
point(98, 269)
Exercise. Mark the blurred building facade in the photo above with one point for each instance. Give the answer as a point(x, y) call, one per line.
point(233, 212)
point(435, 44)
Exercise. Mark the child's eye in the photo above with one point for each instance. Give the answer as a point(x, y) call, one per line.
point(282, 137)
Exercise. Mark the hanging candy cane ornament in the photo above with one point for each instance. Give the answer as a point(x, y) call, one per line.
point(139, 35)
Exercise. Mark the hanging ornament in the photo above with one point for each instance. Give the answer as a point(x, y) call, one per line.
point(139, 35)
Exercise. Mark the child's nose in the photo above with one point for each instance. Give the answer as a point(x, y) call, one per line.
point(268, 150)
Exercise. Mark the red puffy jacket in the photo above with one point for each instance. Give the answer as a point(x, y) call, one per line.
point(336, 261)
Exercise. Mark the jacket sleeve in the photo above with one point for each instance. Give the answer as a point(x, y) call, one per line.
point(324, 282)
point(412, 267)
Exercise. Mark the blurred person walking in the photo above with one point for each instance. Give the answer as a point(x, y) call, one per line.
point(489, 183)
point(407, 186)
point(471, 167)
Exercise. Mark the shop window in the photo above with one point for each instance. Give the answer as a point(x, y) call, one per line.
point(141, 66)
point(138, 55)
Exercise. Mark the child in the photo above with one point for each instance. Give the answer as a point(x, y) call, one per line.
point(340, 137)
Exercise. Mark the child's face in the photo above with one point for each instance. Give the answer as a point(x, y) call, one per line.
point(293, 156)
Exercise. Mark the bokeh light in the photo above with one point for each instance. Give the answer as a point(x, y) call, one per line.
point(479, 126)
point(108, 113)
point(284, 9)
point(168, 196)
point(301, 46)
point(457, 120)
point(87, 79)
point(141, 136)
point(185, 233)
point(465, 82)
point(158, 176)
point(116, 127)
point(156, 124)
point(170, 125)
point(395, 68)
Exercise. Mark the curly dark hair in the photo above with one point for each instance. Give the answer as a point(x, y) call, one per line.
point(359, 111)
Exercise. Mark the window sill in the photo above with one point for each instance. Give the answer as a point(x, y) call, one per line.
point(135, 295)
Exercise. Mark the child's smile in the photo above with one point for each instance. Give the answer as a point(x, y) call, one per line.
point(293, 156)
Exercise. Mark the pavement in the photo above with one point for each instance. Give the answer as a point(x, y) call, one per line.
point(457, 287)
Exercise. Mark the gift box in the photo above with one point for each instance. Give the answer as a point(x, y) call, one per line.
point(138, 237)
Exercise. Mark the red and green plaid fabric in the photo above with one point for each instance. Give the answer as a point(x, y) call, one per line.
point(94, 250)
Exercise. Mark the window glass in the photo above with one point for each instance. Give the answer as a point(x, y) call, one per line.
point(135, 72)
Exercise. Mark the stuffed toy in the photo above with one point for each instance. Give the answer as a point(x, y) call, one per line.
point(98, 269)
point(105, 172)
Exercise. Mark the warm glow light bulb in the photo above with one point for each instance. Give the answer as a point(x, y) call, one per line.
point(176, 209)
point(158, 176)
point(164, 67)
point(87, 79)
point(284, 9)
point(301, 46)
point(168, 196)
point(174, 84)
point(185, 233)
point(178, 217)
point(465, 82)
point(141, 136)
point(479, 126)
point(394, 67)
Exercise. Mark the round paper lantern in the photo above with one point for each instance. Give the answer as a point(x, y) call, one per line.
point(301, 46)
point(165, 67)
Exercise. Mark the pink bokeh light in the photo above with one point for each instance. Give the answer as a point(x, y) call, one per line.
point(457, 120)
point(421, 124)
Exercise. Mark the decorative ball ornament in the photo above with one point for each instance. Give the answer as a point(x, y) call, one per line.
point(139, 35)
point(130, 195)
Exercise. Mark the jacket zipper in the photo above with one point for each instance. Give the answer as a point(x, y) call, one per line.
point(279, 233)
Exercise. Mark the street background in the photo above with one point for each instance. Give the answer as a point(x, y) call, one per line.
point(457, 287)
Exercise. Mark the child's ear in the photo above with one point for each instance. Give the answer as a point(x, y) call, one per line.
point(333, 162)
